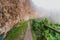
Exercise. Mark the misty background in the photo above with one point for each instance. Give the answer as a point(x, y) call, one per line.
point(49, 9)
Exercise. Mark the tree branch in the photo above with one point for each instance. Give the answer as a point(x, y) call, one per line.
point(58, 31)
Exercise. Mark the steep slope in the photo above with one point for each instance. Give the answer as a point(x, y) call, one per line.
point(12, 12)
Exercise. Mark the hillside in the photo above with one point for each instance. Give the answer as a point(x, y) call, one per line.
point(12, 12)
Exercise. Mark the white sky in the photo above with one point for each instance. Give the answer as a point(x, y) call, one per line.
point(48, 4)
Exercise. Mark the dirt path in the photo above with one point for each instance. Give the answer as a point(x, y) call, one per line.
point(28, 35)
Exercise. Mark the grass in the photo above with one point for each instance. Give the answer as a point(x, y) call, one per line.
point(34, 35)
point(18, 32)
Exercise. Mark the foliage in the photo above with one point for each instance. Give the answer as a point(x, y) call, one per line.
point(16, 32)
point(43, 33)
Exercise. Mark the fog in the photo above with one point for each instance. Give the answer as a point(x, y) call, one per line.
point(50, 9)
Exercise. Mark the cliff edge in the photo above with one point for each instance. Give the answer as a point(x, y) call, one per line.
point(12, 12)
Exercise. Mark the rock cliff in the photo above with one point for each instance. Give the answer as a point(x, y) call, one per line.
point(12, 12)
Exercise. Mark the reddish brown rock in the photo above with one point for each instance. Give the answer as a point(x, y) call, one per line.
point(12, 12)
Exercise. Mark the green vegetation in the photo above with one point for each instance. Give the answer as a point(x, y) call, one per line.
point(40, 32)
point(33, 35)
point(18, 32)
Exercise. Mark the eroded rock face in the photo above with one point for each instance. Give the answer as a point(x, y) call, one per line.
point(12, 12)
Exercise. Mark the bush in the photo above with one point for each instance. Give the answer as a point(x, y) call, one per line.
point(43, 33)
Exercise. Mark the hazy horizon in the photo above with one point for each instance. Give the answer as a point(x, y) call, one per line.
point(51, 9)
